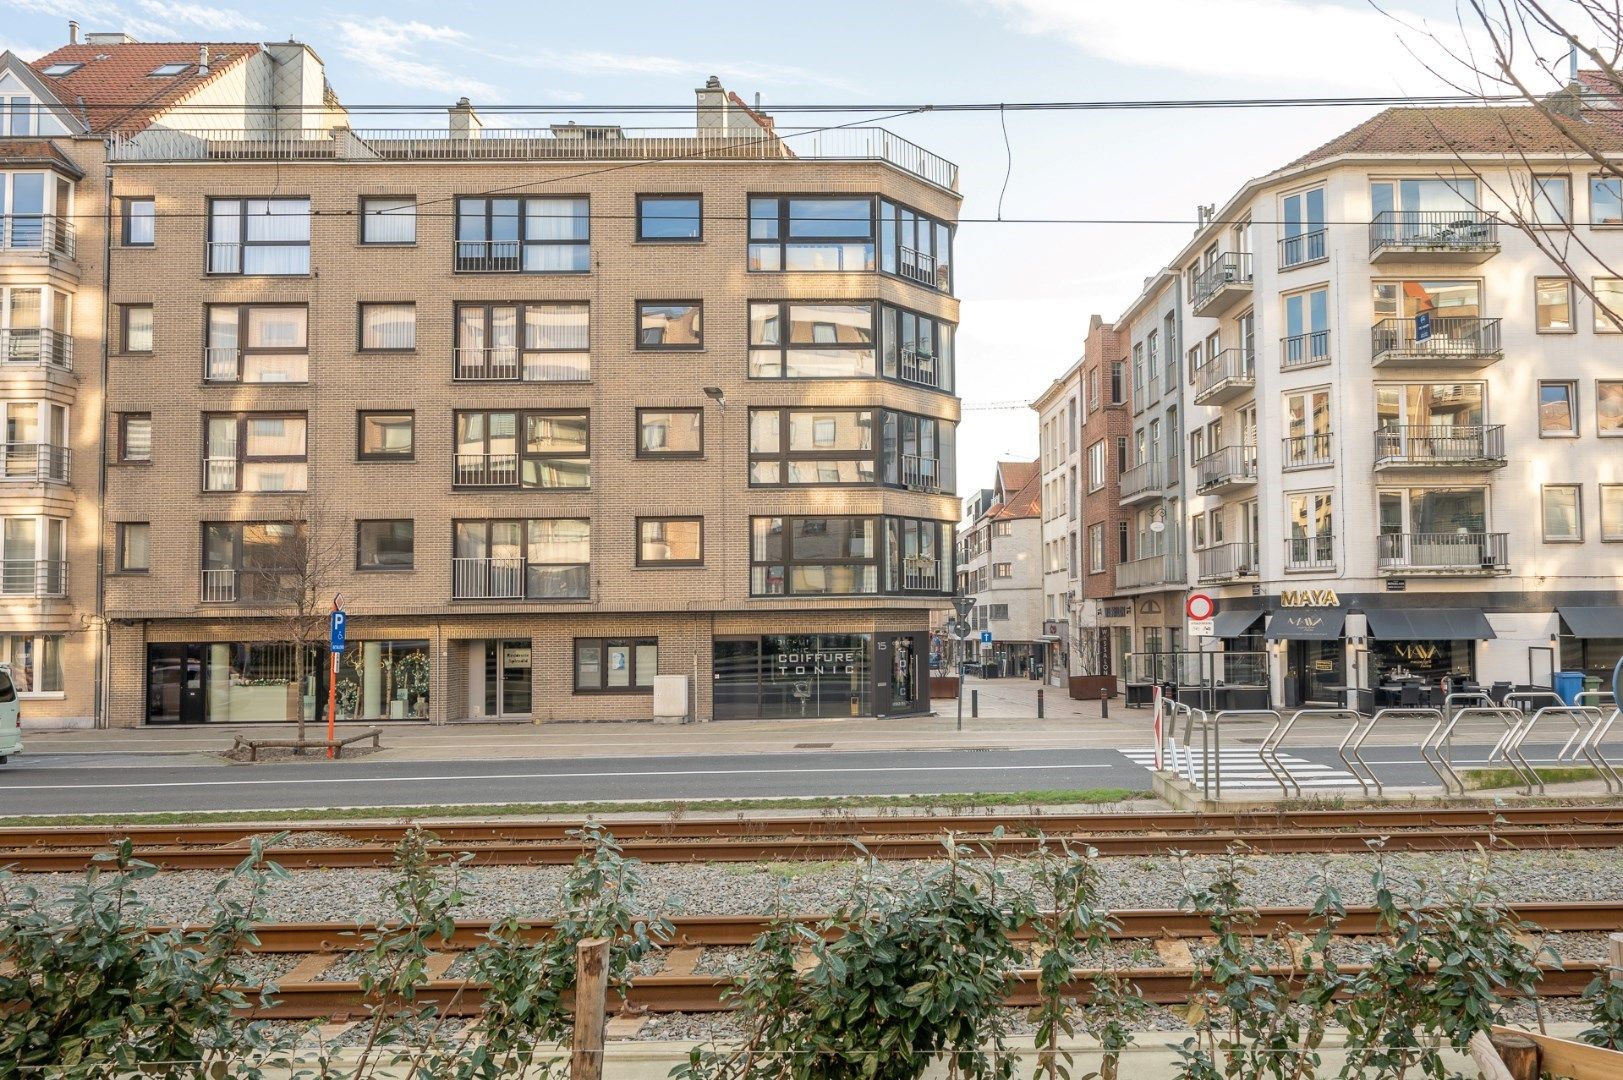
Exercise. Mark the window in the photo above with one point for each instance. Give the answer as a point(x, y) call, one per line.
point(673, 433)
point(262, 343)
point(384, 545)
point(528, 342)
point(1214, 520)
point(1309, 531)
point(670, 541)
point(615, 665)
point(916, 348)
point(388, 327)
point(389, 220)
point(35, 661)
point(1304, 229)
point(254, 452)
point(816, 234)
point(1002, 528)
point(1605, 200)
point(134, 543)
point(1443, 299)
point(811, 556)
point(670, 324)
point(135, 437)
point(1307, 428)
point(1123, 541)
point(1118, 387)
point(139, 221)
point(811, 446)
point(23, 111)
point(1096, 466)
point(259, 236)
point(1307, 329)
point(1002, 571)
point(669, 217)
point(1609, 408)
point(1552, 303)
point(915, 246)
point(385, 436)
point(1608, 305)
point(535, 559)
point(1563, 513)
point(56, 71)
point(1557, 409)
point(252, 562)
point(1611, 512)
point(136, 321)
point(1096, 549)
point(1093, 389)
point(1197, 531)
point(531, 236)
point(814, 340)
point(1552, 200)
point(535, 449)
point(165, 70)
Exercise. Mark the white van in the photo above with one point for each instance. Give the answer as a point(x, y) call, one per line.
point(11, 739)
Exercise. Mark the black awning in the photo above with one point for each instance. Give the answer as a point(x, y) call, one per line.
point(1592, 621)
point(1231, 624)
point(1428, 624)
point(1306, 625)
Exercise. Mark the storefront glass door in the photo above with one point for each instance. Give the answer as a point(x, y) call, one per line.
point(507, 678)
point(174, 684)
point(1314, 671)
point(905, 672)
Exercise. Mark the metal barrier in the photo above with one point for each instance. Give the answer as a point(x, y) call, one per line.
point(1358, 735)
point(1439, 740)
point(1586, 721)
point(1278, 737)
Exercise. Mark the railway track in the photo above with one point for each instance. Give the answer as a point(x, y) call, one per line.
point(350, 845)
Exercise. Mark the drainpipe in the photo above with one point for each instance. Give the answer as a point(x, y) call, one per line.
point(103, 631)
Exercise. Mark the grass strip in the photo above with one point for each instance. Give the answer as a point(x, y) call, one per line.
point(1491, 779)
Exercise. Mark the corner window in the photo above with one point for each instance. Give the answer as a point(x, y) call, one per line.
point(390, 220)
point(264, 237)
point(139, 222)
point(793, 340)
point(134, 547)
point(915, 246)
point(669, 217)
point(1557, 409)
point(615, 665)
point(1609, 408)
point(1608, 305)
point(388, 327)
point(384, 545)
point(1606, 200)
point(1563, 513)
point(530, 236)
point(811, 446)
point(813, 556)
point(386, 436)
point(136, 323)
point(670, 541)
point(673, 433)
point(135, 437)
point(1552, 303)
point(813, 234)
point(670, 324)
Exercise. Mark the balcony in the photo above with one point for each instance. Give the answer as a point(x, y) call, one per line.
point(1461, 552)
point(34, 577)
point(485, 470)
point(219, 587)
point(1461, 446)
point(1310, 553)
point(1226, 562)
point(921, 473)
point(1226, 376)
point(487, 579)
point(38, 234)
point(920, 368)
point(36, 463)
point(36, 348)
point(486, 364)
point(1141, 483)
point(1230, 468)
point(1458, 237)
point(921, 573)
point(1304, 350)
point(1456, 341)
point(1156, 571)
point(918, 266)
point(1307, 451)
point(489, 256)
point(1221, 285)
point(1302, 249)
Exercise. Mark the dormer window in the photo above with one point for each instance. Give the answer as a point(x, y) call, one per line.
point(170, 69)
point(56, 71)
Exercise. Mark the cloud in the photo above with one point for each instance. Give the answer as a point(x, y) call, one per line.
point(389, 50)
point(1280, 42)
point(151, 20)
point(216, 19)
point(595, 62)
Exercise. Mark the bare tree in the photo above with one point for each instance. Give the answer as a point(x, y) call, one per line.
point(294, 576)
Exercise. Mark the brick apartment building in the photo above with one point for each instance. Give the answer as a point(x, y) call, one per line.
point(555, 411)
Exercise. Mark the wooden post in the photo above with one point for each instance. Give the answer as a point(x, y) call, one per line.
point(1614, 956)
point(1519, 1053)
point(591, 1007)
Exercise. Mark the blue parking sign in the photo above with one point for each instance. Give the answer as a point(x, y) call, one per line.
point(339, 622)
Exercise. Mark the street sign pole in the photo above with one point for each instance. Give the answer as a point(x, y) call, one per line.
point(960, 630)
point(339, 624)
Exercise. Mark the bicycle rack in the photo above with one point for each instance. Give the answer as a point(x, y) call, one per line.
point(1354, 742)
point(1319, 714)
point(1438, 739)
point(1271, 762)
point(1586, 719)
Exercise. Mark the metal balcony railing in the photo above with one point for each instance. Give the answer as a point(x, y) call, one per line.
point(1141, 480)
point(1303, 248)
point(222, 364)
point(43, 348)
point(1453, 444)
point(486, 470)
point(920, 368)
point(37, 463)
point(489, 256)
point(1152, 570)
point(921, 473)
point(34, 577)
point(1304, 451)
point(1233, 268)
point(1461, 551)
point(920, 573)
point(1230, 372)
point(1226, 465)
point(500, 362)
point(1459, 230)
point(487, 579)
point(220, 474)
point(917, 266)
point(1453, 337)
point(1225, 562)
point(44, 233)
point(1310, 552)
point(1304, 350)
point(219, 587)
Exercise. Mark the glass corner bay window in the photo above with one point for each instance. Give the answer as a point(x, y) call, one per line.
point(532, 235)
point(257, 343)
point(812, 556)
point(259, 236)
point(811, 234)
point(796, 340)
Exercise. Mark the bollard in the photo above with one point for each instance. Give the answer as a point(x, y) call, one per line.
point(591, 1005)
point(1104, 703)
point(975, 704)
point(1039, 703)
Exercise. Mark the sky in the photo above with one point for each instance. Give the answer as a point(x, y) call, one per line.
point(1027, 290)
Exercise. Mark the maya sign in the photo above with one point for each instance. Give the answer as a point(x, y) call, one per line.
point(1309, 598)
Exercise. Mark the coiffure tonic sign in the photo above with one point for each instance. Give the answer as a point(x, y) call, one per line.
point(817, 663)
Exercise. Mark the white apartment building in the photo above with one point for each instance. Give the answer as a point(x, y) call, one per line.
point(1000, 565)
point(1059, 440)
point(1402, 423)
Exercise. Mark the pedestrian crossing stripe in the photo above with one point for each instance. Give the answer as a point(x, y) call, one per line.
point(1243, 769)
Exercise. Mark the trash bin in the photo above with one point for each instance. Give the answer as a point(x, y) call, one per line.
point(1591, 686)
point(1568, 684)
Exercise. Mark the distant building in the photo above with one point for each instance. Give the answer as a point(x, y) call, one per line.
point(1001, 566)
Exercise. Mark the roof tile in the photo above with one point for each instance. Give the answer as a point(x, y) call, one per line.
point(116, 82)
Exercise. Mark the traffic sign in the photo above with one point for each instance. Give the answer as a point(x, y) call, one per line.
point(962, 604)
point(986, 637)
point(1202, 628)
point(1200, 608)
point(1422, 326)
point(339, 622)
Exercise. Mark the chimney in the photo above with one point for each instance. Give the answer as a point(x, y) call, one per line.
point(117, 37)
point(202, 59)
point(713, 108)
point(73, 31)
point(464, 122)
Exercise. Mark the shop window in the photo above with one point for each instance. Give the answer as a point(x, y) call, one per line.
point(35, 661)
point(616, 665)
point(384, 680)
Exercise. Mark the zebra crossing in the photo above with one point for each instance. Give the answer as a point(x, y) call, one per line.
point(1243, 769)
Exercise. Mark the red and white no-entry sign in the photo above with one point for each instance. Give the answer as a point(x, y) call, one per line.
point(1200, 607)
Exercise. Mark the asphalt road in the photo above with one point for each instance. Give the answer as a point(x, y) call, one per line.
point(129, 783)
